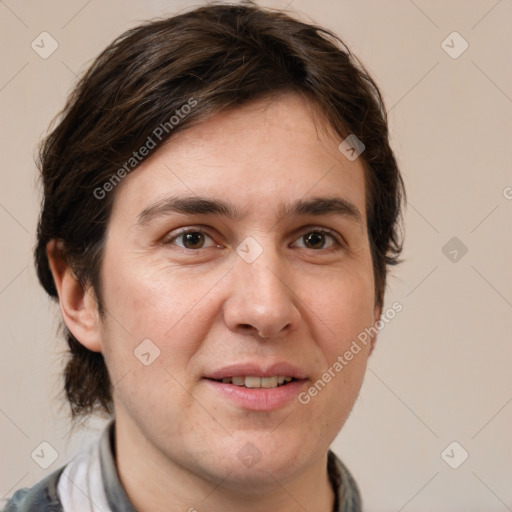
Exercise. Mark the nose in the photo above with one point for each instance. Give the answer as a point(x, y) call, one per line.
point(261, 299)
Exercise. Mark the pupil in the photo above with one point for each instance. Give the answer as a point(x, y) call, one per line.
point(194, 238)
point(314, 239)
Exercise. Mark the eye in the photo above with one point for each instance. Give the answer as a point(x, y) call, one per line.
point(191, 239)
point(316, 239)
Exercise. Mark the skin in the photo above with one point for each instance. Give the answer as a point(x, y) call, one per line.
point(205, 307)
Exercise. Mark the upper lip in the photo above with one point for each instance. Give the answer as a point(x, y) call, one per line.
point(257, 370)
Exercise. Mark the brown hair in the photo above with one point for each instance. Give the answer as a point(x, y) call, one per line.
point(215, 57)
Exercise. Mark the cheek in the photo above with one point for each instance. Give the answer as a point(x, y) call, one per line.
point(150, 332)
point(145, 301)
point(344, 308)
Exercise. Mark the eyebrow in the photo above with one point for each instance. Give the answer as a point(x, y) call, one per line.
point(196, 205)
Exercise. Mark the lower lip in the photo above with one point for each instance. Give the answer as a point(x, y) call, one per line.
point(259, 399)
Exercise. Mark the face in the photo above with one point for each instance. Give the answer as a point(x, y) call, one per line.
point(216, 268)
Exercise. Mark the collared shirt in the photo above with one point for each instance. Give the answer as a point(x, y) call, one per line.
point(90, 483)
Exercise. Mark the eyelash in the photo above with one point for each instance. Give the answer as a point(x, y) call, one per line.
point(326, 231)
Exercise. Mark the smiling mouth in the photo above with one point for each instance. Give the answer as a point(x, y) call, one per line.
point(257, 382)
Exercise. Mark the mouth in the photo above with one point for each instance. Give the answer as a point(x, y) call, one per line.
point(253, 382)
point(257, 387)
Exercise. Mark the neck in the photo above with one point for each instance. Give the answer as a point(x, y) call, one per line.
point(154, 483)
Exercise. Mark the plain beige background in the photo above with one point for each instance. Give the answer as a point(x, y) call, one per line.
point(441, 370)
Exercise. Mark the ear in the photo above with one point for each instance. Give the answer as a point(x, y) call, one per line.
point(78, 305)
point(376, 315)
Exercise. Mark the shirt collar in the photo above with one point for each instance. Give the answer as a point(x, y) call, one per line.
point(116, 495)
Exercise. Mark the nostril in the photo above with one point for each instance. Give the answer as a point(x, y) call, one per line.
point(248, 327)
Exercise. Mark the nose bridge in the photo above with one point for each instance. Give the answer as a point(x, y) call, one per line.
point(261, 296)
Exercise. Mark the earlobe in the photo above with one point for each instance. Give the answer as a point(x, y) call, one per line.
point(78, 304)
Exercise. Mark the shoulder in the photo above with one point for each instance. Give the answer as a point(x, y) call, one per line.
point(42, 497)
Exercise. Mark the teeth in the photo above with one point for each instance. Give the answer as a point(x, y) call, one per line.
point(258, 382)
point(269, 382)
point(253, 382)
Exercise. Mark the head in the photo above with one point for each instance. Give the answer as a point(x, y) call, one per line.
point(227, 121)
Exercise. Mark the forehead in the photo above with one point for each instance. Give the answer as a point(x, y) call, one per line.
point(266, 153)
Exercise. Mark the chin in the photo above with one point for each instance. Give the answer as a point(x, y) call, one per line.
point(255, 462)
point(265, 476)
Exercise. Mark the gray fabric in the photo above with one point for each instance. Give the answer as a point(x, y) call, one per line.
point(348, 497)
point(116, 495)
point(43, 497)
